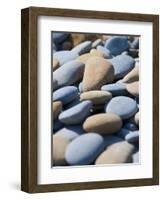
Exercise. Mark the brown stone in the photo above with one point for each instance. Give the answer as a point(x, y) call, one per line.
point(132, 76)
point(95, 52)
point(57, 108)
point(55, 64)
point(133, 88)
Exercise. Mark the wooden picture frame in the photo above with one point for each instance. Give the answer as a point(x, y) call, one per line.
point(29, 67)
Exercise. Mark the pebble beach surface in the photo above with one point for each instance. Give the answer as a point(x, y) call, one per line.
point(95, 99)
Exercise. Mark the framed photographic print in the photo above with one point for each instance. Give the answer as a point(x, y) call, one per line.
point(90, 99)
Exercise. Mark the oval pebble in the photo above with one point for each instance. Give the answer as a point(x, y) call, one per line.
point(95, 52)
point(59, 37)
point(105, 51)
point(133, 88)
point(97, 73)
point(136, 118)
point(65, 94)
point(64, 56)
point(132, 137)
point(117, 44)
point(57, 108)
point(96, 43)
point(69, 73)
point(84, 149)
point(81, 48)
point(123, 106)
point(132, 76)
point(55, 64)
point(122, 64)
point(116, 89)
point(76, 114)
point(130, 126)
point(96, 96)
point(120, 152)
point(104, 124)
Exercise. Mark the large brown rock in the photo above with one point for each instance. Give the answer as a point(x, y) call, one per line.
point(57, 108)
point(96, 96)
point(116, 153)
point(104, 124)
point(98, 72)
point(133, 88)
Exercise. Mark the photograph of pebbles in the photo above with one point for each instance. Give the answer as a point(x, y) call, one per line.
point(95, 99)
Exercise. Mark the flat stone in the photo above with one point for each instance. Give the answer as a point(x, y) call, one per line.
point(59, 147)
point(85, 57)
point(76, 114)
point(70, 132)
point(104, 124)
point(65, 94)
point(122, 64)
point(82, 48)
point(132, 76)
point(115, 89)
point(120, 152)
point(96, 96)
point(69, 73)
point(97, 72)
point(133, 88)
point(64, 56)
point(117, 44)
point(57, 108)
point(84, 149)
point(123, 106)
point(105, 51)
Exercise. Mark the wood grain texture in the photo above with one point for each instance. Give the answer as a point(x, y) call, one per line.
point(29, 99)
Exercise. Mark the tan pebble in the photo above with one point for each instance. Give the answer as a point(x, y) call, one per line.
point(136, 118)
point(57, 108)
point(133, 88)
point(132, 76)
point(104, 124)
point(84, 57)
point(95, 52)
point(55, 64)
point(59, 147)
point(120, 152)
point(77, 38)
point(98, 72)
point(96, 96)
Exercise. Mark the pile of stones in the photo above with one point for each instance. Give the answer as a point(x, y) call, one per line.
point(95, 99)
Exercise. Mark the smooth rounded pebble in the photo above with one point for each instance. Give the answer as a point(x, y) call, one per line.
point(123, 106)
point(110, 139)
point(84, 149)
point(136, 118)
point(122, 64)
point(59, 37)
point(70, 132)
point(65, 94)
point(96, 96)
point(69, 73)
point(132, 137)
point(105, 51)
point(57, 108)
point(76, 114)
point(59, 147)
point(133, 88)
point(115, 89)
point(131, 126)
point(96, 43)
point(64, 56)
point(135, 43)
point(120, 152)
point(98, 72)
point(135, 157)
point(81, 48)
point(95, 52)
point(80, 86)
point(117, 44)
point(55, 64)
point(85, 57)
point(104, 124)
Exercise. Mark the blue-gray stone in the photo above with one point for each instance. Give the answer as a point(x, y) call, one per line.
point(80, 87)
point(105, 51)
point(65, 94)
point(135, 43)
point(57, 125)
point(117, 44)
point(122, 65)
point(115, 88)
point(81, 48)
point(123, 132)
point(131, 126)
point(135, 157)
point(76, 114)
point(59, 37)
point(109, 140)
point(70, 132)
point(72, 103)
point(69, 73)
point(84, 149)
point(123, 106)
point(132, 137)
point(65, 56)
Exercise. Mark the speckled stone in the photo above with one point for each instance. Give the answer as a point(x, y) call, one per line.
point(122, 64)
point(76, 114)
point(57, 108)
point(123, 106)
point(97, 72)
point(136, 118)
point(115, 89)
point(69, 73)
point(84, 149)
point(81, 48)
point(117, 44)
point(59, 147)
point(65, 94)
point(105, 51)
point(65, 56)
point(132, 76)
point(96, 96)
point(104, 124)
point(133, 88)
point(120, 152)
